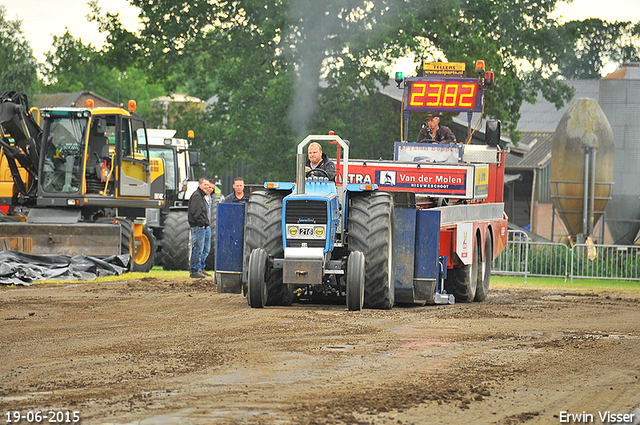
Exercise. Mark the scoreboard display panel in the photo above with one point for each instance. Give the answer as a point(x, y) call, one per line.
point(443, 94)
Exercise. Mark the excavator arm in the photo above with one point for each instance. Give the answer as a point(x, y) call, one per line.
point(20, 141)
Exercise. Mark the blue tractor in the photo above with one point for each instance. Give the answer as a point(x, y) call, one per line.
point(314, 239)
point(421, 229)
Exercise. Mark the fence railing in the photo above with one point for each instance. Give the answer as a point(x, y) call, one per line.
point(525, 257)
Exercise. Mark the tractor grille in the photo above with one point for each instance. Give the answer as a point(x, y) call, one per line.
point(297, 243)
point(306, 212)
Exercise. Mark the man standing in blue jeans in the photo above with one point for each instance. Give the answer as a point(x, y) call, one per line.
point(200, 221)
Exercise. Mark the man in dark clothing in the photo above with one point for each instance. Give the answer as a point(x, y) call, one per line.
point(199, 216)
point(238, 196)
point(319, 161)
point(433, 132)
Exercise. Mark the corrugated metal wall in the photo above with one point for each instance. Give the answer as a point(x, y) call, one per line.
point(620, 100)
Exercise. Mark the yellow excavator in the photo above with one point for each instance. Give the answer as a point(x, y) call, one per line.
point(77, 181)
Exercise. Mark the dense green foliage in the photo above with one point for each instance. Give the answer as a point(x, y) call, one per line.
point(18, 70)
point(273, 71)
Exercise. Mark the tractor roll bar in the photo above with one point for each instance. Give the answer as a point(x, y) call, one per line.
point(301, 161)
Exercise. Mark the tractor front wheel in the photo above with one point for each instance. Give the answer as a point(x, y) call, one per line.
point(355, 281)
point(256, 284)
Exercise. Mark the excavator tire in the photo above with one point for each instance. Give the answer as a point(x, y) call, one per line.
point(144, 251)
point(126, 236)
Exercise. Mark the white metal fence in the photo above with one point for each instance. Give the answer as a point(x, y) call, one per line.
point(525, 257)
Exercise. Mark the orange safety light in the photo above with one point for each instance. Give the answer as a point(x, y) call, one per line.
point(489, 79)
point(190, 134)
point(90, 103)
point(131, 105)
point(480, 67)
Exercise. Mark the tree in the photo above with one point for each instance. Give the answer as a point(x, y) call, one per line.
point(122, 49)
point(74, 66)
point(19, 66)
point(592, 43)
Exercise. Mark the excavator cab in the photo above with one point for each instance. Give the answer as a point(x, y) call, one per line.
point(84, 149)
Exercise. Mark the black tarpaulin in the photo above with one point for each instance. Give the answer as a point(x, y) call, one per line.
point(19, 268)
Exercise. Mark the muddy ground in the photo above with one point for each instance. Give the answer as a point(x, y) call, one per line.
point(157, 351)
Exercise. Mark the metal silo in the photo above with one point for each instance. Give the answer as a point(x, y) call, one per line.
point(620, 100)
point(582, 166)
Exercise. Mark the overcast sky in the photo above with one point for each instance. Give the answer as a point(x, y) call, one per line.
point(42, 19)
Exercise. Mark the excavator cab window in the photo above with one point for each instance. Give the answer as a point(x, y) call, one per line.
point(99, 152)
point(63, 153)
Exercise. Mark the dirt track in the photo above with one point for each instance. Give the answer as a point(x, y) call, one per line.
point(177, 352)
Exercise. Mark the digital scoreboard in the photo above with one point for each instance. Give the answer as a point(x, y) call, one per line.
point(442, 94)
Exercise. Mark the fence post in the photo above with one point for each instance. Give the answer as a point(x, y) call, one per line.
point(566, 264)
point(572, 257)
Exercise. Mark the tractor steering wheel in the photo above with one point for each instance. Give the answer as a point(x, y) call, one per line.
point(315, 170)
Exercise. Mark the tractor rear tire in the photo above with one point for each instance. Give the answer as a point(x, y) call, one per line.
point(264, 230)
point(370, 231)
point(462, 282)
point(144, 251)
point(256, 281)
point(176, 241)
point(484, 271)
point(355, 281)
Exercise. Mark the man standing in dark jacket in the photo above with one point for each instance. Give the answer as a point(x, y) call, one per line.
point(319, 161)
point(200, 221)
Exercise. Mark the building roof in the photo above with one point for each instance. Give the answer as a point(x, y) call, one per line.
point(543, 116)
point(533, 151)
point(68, 99)
point(628, 71)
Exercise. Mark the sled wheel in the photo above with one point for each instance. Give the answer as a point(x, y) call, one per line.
point(484, 271)
point(462, 282)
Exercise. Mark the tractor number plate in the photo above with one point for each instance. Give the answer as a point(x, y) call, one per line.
point(306, 231)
